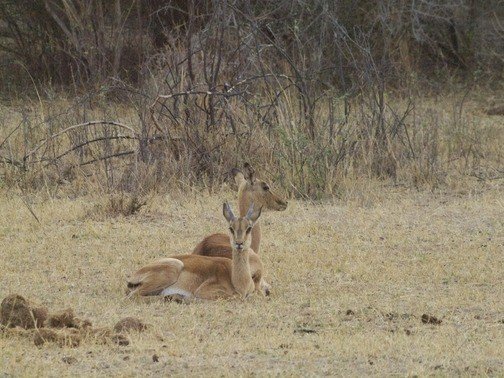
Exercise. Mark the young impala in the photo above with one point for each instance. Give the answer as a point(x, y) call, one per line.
point(250, 190)
point(185, 277)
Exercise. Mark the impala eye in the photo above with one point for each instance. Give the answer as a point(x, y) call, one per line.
point(248, 230)
point(231, 229)
point(266, 187)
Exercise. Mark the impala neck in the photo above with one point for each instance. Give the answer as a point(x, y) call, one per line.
point(241, 278)
point(244, 202)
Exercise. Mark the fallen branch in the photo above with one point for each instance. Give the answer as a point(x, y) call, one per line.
point(119, 154)
point(27, 204)
point(93, 141)
point(73, 127)
point(207, 93)
point(12, 132)
point(15, 163)
point(188, 93)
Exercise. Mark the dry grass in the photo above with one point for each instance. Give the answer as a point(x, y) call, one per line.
point(438, 141)
point(351, 282)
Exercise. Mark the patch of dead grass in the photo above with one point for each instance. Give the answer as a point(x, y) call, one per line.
point(351, 281)
point(114, 205)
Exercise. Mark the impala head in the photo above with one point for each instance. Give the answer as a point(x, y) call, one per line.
point(252, 189)
point(240, 228)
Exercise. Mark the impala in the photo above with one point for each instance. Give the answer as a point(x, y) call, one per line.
point(186, 277)
point(250, 190)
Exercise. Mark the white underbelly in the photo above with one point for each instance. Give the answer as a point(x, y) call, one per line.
point(175, 290)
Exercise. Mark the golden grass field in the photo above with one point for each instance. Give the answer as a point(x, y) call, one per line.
point(351, 280)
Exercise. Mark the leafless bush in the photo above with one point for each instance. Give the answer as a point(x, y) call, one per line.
point(312, 91)
point(123, 205)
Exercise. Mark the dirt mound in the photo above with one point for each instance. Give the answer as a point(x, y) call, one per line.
point(496, 110)
point(72, 337)
point(120, 340)
point(130, 324)
point(66, 319)
point(20, 318)
point(63, 337)
point(16, 311)
point(103, 335)
point(17, 331)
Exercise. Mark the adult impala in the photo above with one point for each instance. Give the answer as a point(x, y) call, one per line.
point(250, 190)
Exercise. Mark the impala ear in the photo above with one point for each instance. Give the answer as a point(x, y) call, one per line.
point(227, 212)
point(252, 214)
point(249, 172)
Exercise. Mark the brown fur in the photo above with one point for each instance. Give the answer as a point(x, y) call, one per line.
point(153, 278)
point(217, 245)
point(206, 277)
point(250, 190)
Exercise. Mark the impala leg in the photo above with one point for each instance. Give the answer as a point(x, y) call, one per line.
point(264, 287)
point(211, 290)
point(256, 269)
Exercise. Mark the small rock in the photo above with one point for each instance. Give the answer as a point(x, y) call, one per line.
point(496, 110)
point(130, 324)
point(391, 316)
point(69, 360)
point(429, 319)
point(120, 340)
point(155, 358)
point(304, 330)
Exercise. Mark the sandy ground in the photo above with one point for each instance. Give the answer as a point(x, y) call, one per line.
point(351, 281)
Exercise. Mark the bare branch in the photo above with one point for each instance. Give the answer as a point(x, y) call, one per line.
point(85, 124)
